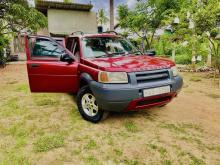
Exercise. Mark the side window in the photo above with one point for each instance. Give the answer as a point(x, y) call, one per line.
point(46, 48)
point(69, 45)
point(73, 45)
point(76, 47)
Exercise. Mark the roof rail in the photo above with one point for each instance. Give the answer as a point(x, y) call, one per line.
point(110, 32)
point(80, 32)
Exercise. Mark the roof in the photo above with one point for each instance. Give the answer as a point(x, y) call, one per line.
point(44, 5)
point(104, 34)
point(93, 35)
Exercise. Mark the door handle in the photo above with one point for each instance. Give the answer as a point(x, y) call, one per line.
point(34, 65)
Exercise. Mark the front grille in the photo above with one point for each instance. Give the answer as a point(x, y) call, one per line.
point(153, 101)
point(149, 76)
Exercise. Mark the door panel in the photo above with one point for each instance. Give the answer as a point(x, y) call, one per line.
point(46, 72)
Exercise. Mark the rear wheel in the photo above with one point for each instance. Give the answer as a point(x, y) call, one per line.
point(88, 106)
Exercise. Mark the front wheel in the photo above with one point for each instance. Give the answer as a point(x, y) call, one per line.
point(88, 106)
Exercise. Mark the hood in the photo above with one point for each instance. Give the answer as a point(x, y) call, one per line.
point(132, 63)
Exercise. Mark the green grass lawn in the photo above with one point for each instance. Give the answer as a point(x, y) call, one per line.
point(48, 129)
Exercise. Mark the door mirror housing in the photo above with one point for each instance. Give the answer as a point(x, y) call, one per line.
point(66, 58)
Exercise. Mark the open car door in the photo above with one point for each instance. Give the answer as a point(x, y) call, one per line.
point(46, 72)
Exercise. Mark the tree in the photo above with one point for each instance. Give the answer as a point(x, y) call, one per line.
point(205, 15)
point(102, 19)
point(146, 18)
point(67, 1)
point(15, 15)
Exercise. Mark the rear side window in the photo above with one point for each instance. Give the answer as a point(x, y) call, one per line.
point(46, 48)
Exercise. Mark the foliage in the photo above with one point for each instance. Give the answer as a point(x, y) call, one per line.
point(146, 18)
point(183, 59)
point(4, 41)
point(203, 16)
point(207, 20)
point(102, 18)
point(16, 16)
point(163, 45)
point(67, 1)
point(196, 19)
point(207, 16)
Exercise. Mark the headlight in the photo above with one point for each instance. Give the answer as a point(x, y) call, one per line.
point(174, 70)
point(113, 77)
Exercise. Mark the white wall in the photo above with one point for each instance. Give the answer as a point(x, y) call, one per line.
point(68, 21)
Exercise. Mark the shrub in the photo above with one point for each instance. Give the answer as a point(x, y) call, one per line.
point(3, 44)
point(183, 59)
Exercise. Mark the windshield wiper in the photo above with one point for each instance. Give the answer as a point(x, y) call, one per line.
point(118, 53)
point(135, 52)
point(111, 54)
point(104, 55)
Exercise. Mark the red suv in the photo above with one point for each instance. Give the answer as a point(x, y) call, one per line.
point(106, 71)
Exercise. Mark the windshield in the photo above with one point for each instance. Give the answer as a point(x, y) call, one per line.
point(96, 47)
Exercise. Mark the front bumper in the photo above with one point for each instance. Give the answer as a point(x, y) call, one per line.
point(126, 97)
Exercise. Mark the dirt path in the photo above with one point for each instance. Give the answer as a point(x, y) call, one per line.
point(47, 129)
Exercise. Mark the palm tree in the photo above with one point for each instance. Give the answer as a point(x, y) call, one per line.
point(111, 4)
point(102, 19)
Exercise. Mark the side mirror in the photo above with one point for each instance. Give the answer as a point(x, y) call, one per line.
point(151, 52)
point(66, 58)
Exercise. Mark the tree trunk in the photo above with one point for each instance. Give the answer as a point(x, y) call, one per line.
point(142, 45)
point(209, 57)
point(174, 52)
point(111, 15)
point(150, 41)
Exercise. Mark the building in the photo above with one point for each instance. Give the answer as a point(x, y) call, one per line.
point(63, 19)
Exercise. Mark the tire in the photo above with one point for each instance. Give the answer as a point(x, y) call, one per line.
point(88, 107)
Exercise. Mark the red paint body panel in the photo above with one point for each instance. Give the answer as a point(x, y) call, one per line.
point(153, 101)
point(53, 76)
point(130, 63)
point(50, 74)
point(93, 72)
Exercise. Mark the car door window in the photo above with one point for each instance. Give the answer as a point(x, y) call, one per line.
point(70, 43)
point(76, 49)
point(46, 48)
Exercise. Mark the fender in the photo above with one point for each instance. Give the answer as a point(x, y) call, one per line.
point(85, 78)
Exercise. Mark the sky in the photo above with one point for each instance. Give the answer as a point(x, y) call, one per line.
point(99, 4)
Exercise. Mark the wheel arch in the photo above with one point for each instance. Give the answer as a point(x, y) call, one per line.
point(85, 79)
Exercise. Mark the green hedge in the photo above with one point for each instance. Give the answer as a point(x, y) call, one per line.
point(183, 59)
